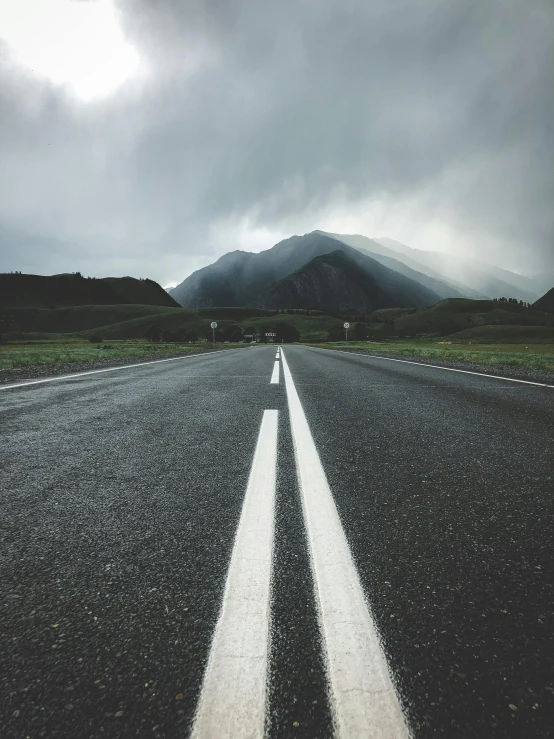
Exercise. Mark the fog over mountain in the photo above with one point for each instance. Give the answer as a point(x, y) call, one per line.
point(178, 132)
point(244, 279)
point(323, 271)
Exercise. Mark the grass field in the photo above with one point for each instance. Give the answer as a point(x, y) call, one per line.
point(526, 356)
point(67, 352)
point(506, 335)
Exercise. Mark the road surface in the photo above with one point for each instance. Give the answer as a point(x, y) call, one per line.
point(240, 544)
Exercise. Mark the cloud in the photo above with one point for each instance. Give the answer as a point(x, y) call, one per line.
point(254, 120)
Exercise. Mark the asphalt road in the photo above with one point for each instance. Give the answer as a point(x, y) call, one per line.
point(121, 497)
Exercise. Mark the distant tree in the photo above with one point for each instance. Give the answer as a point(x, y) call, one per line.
point(335, 333)
point(219, 336)
point(360, 331)
point(232, 333)
point(250, 331)
point(287, 333)
point(153, 334)
point(95, 339)
point(3, 340)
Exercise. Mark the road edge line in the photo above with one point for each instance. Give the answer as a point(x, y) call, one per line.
point(109, 369)
point(436, 366)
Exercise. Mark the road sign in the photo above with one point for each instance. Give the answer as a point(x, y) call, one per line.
point(346, 325)
point(213, 326)
point(271, 334)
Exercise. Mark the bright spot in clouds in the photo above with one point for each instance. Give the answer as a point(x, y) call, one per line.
point(75, 43)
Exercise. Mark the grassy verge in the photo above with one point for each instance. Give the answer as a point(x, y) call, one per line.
point(538, 357)
point(35, 354)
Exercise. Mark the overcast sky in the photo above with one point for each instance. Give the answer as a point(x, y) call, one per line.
point(148, 137)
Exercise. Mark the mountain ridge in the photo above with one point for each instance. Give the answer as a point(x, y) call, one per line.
point(245, 278)
point(332, 282)
point(409, 268)
point(546, 302)
point(486, 279)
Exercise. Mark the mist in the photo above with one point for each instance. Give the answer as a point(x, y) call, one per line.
point(239, 124)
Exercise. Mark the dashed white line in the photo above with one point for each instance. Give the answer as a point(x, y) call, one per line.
point(108, 369)
point(232, 703)
point(275, 374)
point(436, 366)
point(363, 698)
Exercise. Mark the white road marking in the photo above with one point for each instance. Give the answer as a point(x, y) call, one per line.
point(275, 374)
point(436, 366)
point(108, 369)
point(363, 698)
point(232, 703)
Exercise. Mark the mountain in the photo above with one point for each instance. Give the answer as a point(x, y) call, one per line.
point(38, 291)
point(490, 281)
point(331, 282)
point(546, 303)
point(243, 278)
point(235, 279)
point(407, 267)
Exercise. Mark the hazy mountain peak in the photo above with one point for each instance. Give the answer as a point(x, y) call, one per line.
point(248, 280)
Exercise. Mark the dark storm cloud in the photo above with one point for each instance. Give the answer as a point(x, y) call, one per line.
point(282, 112)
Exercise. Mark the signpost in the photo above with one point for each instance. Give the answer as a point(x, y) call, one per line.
point(346, 327)
point(213, 326)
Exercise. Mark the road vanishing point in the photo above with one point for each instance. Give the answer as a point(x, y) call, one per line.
point(277, 542)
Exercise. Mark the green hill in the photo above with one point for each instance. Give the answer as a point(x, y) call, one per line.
point(459, 314)
point(133, 321)
point(311, 327)
point(55, 291)
point(75, 318)
point(546, 303)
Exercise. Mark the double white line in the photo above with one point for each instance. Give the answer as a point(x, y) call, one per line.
point(234, 694)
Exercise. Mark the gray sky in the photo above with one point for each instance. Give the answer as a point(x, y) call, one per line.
point(148, 137)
